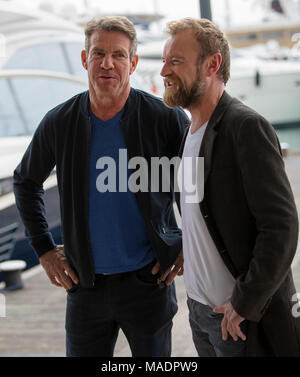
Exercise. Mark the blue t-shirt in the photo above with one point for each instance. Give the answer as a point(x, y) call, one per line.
point(118, 234)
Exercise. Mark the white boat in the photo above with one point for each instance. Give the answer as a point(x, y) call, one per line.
point(37, 71)
point(259, 21)
point(271, 87)
point(40, 67)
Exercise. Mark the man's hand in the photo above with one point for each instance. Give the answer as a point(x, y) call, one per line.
point(57, 268)
point(231, 321)
point(176, 269)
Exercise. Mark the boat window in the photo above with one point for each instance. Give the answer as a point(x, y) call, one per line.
point(272, 34)
point(49, 56)
point(73, 50)
point(244, 37)
point(28, 99)
point(10, 121)
point(37, 96)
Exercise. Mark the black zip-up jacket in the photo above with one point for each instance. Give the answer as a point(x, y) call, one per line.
point(150, 129)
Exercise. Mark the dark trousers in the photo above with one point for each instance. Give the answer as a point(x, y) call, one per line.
point(131, 301)
point(207, 333)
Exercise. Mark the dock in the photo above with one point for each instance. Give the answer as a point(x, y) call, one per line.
point(33, 325)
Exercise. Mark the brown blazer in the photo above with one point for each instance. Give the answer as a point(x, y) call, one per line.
point(251, 215)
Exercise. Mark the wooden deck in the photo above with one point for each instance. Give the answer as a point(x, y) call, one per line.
point(35, 315)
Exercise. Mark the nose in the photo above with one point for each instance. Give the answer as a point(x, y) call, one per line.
point(107, 62)
point(165, 71)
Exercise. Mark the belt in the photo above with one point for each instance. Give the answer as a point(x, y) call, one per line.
point(122, 274)
point(112, 276)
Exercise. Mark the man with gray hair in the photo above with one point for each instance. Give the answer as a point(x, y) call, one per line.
point(119, 247)
point(239, 243)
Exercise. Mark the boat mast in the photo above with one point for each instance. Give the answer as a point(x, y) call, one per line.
point(205, 9)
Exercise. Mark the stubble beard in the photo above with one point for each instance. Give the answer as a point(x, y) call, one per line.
point(108, 96)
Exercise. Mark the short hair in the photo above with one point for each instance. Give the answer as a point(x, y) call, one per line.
point(210, 39)
point(115, 23)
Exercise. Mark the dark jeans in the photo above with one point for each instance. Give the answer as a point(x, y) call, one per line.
point(207, 333)
point(131, 301)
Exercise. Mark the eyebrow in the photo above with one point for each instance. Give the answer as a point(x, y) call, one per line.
point(175, 57)
point(97, 49)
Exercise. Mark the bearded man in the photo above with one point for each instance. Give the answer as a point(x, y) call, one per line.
point(239, 243)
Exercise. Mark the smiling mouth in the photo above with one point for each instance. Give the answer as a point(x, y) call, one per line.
point(107, 77)
point(169, 84)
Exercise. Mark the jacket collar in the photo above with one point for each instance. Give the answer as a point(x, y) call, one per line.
point(211, 132)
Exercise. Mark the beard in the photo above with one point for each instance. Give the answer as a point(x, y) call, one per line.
point(180, 95)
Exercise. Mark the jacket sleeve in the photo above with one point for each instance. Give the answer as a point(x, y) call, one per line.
point(271, 203)
point(29, 176)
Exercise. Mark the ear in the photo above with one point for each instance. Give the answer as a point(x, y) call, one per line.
point(83, 59)
point(213, 63)
point(133, 64)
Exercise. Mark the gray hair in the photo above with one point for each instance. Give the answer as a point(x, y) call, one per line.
point(115, 23)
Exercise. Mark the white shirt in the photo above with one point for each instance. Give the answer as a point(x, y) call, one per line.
point(207, 279)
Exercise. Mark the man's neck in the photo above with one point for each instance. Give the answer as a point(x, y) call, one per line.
point(107, 107)
point(201, 112)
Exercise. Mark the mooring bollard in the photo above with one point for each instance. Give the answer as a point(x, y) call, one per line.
point(12, 274)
